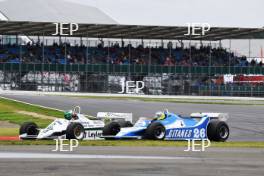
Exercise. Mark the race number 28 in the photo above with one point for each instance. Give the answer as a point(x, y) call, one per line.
point(199, 133)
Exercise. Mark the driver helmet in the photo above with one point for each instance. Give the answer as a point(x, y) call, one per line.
point(68, 115)
point(160, 115)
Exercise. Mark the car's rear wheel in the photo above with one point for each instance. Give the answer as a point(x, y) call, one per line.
point(75, 131)
point(155, 131)
point(111, 129)
point(29, 128)
point(217, 131)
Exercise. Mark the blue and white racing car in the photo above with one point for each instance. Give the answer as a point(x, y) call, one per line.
point(169, 126)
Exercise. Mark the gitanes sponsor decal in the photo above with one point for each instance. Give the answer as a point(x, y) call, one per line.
point(179, 133)
point(93, 134)
point(196, 133)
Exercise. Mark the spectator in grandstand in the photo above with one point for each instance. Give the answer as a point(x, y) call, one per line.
point(65, 53)
point(168, 62)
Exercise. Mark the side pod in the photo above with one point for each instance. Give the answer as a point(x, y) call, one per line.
point(195, 132)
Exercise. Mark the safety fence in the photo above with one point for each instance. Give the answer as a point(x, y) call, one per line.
point(107, 78)
point(130, 69)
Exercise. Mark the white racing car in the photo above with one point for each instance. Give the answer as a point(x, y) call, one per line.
point(74, 126)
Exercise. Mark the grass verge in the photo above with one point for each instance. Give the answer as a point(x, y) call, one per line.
point(14, 105)
point(139, 143)
point(9, 131)
point(8, 109)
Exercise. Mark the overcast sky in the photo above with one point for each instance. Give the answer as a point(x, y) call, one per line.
point(235, 13)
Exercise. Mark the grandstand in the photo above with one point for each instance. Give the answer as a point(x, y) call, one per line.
point(116, 54)
point(103, 53)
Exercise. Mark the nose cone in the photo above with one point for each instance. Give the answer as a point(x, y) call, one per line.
point(44, 134)
point(40, 135)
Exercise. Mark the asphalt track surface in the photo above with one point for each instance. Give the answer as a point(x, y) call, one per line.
point(128, 161)
point(246, 121)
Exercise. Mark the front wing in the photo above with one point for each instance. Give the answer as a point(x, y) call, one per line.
point(90, 134)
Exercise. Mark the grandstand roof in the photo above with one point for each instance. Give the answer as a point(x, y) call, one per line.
point(36, 17)
point(129, 31)
point(52, 11)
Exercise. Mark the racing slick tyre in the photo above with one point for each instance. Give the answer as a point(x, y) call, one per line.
point(111, 129)
point(30, 128)
point(124, 124)
point(217, 131)
point(75, 131)
point(155, 131)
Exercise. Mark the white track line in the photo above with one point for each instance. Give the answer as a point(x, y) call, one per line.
point(40, 93)
point(15, 155)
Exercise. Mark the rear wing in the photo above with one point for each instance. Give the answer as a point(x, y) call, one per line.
point(211, 115)
point(114, 116)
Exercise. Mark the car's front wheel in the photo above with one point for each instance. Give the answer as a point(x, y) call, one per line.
point(155, 131)
point(124, 124)
point(29, 128)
